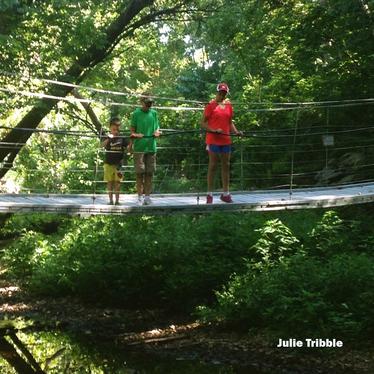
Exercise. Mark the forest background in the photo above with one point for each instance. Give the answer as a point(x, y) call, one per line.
point(306, 272)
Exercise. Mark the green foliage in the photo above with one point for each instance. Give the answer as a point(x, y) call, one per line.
point(334, 235)
point(298, 270)
point(306, 296)
point(267, 276)
point(133, 261)
point(18, 224)
point(266, 51)
point(275, 244)
point(21, 256)
point(328, 235)
point(322, 289)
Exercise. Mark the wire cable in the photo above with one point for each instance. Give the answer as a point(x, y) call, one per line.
point(176, 108)
point(134, 94)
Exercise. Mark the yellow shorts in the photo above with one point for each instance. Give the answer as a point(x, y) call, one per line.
point(111, 174)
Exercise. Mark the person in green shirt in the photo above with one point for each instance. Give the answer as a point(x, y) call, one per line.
point(145, 128)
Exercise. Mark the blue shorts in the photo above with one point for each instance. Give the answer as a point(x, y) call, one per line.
point(214, 148)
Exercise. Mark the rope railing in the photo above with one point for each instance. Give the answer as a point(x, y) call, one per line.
point(100, 90)
point(172, 132)
point(6, 145)
point(106, 102)
point(100, 169)
point(258, 176)
point(181, 132)
point(130, 93)
point(283, 186)
point(72, 99)
point(308, 158)
point(90, 182)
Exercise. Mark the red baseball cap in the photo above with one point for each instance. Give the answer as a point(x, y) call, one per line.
point(223, 87)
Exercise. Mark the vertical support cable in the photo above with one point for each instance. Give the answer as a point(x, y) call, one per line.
point(293, 153)
point(96, 164)
point(199, 167)
point(327, 132)
point(241, 165)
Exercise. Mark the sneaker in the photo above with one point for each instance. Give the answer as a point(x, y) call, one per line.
point(140, 200)
point(147, 200)
point(117, 203)
point(209, 199)
point(226, 198)
point(110, 203)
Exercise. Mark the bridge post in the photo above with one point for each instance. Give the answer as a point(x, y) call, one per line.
point(241, 166)
point(293, 153)
point(97, 164)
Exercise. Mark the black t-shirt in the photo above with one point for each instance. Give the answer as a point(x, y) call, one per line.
point(115, 149)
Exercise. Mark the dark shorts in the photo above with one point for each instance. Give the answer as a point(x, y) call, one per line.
point(145, 163)
point(214, 148)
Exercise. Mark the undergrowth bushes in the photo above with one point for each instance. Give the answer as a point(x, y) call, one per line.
point(170, 261)
point(305, 272)
point(323, 288)
point(305, 296)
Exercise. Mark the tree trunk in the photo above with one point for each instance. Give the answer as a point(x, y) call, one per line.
point(8, 352)
point(90, 112)
point(75, 74)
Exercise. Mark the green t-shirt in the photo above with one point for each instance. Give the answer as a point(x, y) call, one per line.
point(145, 123)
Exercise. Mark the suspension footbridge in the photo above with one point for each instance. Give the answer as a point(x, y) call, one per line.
point(264, 200)
point(323, 158)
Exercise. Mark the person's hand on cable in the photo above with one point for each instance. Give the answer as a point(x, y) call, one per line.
point(106, 140)
point(136, 135)
point(234, 130)
point(157, 133)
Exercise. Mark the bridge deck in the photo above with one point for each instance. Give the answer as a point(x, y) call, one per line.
point(189, 203)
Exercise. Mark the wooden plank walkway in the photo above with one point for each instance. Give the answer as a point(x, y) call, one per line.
point(261, 200)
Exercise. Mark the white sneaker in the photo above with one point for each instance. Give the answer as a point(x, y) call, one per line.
point(147, 200)
point(139, 200)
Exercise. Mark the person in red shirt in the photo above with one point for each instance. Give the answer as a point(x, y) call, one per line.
point(217, 121)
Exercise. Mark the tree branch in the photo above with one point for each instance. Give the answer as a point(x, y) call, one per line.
point(75, 74)
point(90, 112)
point(123, 26)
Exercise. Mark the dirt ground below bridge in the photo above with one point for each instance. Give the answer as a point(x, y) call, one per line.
point(179, 336)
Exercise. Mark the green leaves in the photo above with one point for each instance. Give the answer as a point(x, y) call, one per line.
point(328, 236)
point(320, 288)
point(276, 243)
point(267, 276)
point(306, 296)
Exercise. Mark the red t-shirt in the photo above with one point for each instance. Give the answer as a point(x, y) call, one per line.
point(218, 118)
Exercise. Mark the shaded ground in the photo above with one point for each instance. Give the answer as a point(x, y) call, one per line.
point(155, 332)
